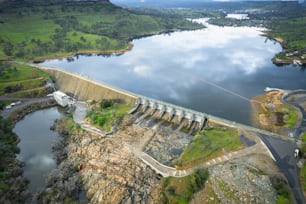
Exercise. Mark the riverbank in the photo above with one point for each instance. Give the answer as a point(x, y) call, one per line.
point(272, 113)
point(81, 52)
point(13, 186)
point(17, 113)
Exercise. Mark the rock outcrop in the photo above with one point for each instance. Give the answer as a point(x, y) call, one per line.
point(245, 180)
point(105, 168)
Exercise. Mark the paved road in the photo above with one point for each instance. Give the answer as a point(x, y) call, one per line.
point(25, 102)
point(283, 154)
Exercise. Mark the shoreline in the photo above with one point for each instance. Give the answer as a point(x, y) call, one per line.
point(265, 113)
point(83, 52)
point(292, 59)
point(16, 184)
point(99, 52)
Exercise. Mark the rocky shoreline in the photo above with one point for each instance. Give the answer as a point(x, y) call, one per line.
point(95, 169)
point(63, 183)
point(104, 168)
point(14, 187)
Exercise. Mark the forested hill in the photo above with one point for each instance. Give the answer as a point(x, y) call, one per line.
point(31, 31)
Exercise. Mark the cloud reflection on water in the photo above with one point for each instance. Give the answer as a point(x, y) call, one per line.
point(182, 67)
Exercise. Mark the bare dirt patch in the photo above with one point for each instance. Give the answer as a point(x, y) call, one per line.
point(271, 113)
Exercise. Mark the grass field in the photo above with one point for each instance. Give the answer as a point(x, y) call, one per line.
point(34, 31)
point(181, 190)
point(17, 80)
point(208, 144)
point(107, 113)
point(292, 30)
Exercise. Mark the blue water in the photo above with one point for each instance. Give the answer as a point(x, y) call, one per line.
point(36, 140)
point(214, 70)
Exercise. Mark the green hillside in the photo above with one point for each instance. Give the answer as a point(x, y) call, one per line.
point(37, 31)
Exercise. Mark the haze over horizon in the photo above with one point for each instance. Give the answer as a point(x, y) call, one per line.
point(178, 3)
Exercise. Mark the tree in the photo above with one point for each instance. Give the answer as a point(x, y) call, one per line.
point(8, 49)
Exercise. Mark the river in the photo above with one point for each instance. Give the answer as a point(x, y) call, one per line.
point(36, 140)
point(214, 70)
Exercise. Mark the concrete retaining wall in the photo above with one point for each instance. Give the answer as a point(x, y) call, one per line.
point(83, 88)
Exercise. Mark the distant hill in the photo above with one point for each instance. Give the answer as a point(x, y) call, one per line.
point(48, 1)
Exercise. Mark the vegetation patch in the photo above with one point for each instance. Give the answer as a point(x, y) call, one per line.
point(282, 189)
point(303, 177)
point(46, 30)
point(293, 33)
point(10, 186)
point(18, 80)
point(181, 190)
point(271, 113)
point(209, 144)
point(107, 113)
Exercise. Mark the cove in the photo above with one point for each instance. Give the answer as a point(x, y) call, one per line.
point(216, 70)
point(36, 140)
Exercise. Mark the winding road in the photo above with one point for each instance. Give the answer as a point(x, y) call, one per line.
point(283, 154)
point(24, 102)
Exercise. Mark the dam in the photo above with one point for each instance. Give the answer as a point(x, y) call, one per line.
point(82, 88)
point(170, 112)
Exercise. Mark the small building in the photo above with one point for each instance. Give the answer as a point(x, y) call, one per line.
point(62, 99)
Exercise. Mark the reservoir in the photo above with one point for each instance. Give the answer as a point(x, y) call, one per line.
point(36, 140)
point(216, 70)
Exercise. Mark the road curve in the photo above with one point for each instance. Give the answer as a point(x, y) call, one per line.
point(283, 153)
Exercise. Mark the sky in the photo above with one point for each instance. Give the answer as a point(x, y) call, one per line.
point(172, 3)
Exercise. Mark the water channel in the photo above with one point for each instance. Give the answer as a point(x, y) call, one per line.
point(214, 70)
point(36, 140)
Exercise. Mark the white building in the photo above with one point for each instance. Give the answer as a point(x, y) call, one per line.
point(62, 99)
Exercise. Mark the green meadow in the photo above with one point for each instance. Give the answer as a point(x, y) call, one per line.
point(181, 190)
point(209, 144)
point(38, 31)
point(18, 80)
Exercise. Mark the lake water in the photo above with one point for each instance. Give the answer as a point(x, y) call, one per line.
point(214, 70)
point(36, 146)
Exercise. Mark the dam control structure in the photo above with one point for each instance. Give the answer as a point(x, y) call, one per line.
point(83, 88)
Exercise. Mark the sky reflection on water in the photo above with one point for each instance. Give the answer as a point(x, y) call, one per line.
point(196, 69)
point(35, 145)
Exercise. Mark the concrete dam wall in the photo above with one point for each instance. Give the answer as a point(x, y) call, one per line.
point(84, 89)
